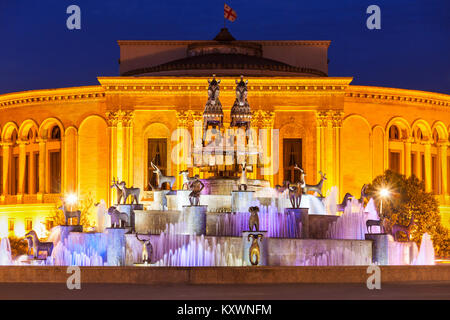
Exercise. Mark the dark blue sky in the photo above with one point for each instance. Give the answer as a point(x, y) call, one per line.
point(410, 51)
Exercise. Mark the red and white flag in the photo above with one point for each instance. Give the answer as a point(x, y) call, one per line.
point(229, 13)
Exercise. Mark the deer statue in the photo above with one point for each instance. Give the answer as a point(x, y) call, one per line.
point(133, 192)
point(296, 190)
point(39, 246)
point(118, 219)
point(162, 178)
point(253, 221)
point(118, 190)
point(316, 187)
point(280, 189)
point(396, 228)
point(69, 214)
point(243, 179)
point(186, 179)
point(254, 251)
point(147, 250)
point(341, 206)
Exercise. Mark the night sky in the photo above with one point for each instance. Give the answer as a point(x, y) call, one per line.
point(410, 51)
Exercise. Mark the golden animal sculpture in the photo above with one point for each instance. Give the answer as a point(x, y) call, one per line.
point(254, 252)
point(147, 250)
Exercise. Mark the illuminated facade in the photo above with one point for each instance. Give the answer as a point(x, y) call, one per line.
point(76, 140)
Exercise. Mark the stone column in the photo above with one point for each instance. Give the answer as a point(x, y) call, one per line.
point(418, 168)
point(181, 148)
point(271, 149)
point(22, 168)
point(428, 173)
point(337, 126)
point(322, 122)
point(42, 168)
point(443, 163)
point(6, 148)
point(120, 128)
point(407, 157)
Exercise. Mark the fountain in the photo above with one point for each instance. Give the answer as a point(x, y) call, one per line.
point(209, 224)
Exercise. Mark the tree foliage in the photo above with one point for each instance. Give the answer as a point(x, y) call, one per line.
point(85, 205)
point(408, 197)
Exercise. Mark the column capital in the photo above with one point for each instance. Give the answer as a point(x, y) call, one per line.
point(123, 116)
point(22, 142)
point(263, 119)
point(41, 140)
point(336, 117)
point(6, 144)
point(443, 144)
point(408, 140)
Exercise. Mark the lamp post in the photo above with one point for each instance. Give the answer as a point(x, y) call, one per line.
point(384, 193)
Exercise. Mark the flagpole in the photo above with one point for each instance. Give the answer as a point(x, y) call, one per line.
point(224, 19)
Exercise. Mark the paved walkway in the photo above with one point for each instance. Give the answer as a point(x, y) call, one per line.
point(435, 290)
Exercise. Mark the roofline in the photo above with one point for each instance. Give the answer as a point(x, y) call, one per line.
point(263, 42)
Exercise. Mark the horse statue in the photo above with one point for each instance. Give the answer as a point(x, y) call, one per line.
point(162, 178)
point(127, 192)
point(213, 114)
point(240, 112)
point(118, 219)
point(69, 214)
point(37, 245)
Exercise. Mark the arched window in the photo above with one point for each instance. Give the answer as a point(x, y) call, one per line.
point(394, 133)
point(418, 134)
point(435, 136)
point(55, 133)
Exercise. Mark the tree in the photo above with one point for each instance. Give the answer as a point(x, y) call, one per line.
point(408, 197)
point(85, 206)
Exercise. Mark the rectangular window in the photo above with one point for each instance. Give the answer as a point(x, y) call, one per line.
point(26, 184)
point(36, 172)
point(394, 161)
point(423, 167)
point(14, 175)
point(292, 155)
point(11, 225)
point(434, 175)
point(55, 171)
point(413, 164)
point(157, 152)
point(28, 224)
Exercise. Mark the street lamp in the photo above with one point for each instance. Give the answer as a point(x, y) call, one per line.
point(71, 200)
point(384, 193)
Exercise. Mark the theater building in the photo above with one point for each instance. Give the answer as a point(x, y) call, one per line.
point(77, 140)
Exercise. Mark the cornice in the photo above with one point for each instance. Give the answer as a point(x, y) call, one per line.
point(395, 95)
point(11, 100)
point(185, 85)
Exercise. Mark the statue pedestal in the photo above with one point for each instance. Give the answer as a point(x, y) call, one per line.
point(158, 199)
point(255, 242)
point(194, 218)
point(65, 230)
point(380, 247)
point(178, 200)
point(241, 200)
point(115, 250)
point(129, 210)
point(301, 215)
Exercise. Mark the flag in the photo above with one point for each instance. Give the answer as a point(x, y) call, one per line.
point(229, 13)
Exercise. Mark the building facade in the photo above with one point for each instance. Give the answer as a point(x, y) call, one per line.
point(77, 140)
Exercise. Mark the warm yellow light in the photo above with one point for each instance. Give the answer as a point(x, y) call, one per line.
point(71, 199)
point(384, 193)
